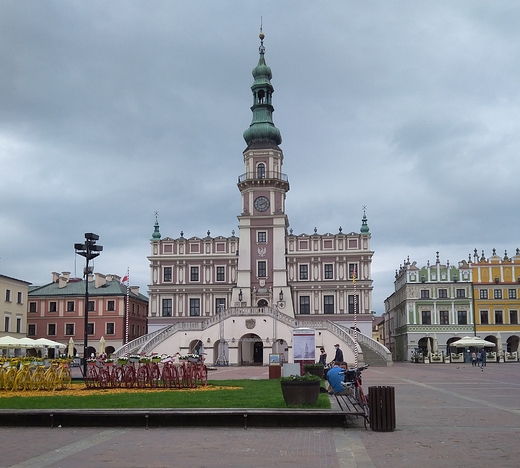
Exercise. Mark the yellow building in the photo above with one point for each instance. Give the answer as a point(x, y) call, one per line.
point(496, 292)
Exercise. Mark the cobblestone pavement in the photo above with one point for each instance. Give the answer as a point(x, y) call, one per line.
point(447, 415)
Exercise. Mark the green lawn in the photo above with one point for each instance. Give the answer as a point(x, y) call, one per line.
point(252, 394)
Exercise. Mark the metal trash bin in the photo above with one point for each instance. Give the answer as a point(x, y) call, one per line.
point(381, 402)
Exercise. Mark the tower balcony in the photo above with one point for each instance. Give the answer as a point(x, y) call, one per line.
point(271, 179)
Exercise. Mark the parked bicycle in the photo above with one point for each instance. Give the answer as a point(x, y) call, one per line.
point(352, 379)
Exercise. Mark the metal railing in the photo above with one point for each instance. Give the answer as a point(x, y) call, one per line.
point(265, 175)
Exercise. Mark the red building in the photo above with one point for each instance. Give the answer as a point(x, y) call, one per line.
point(57, 311)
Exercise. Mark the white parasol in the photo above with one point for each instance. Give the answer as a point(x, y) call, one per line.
point(8, 342)
point(435, 346)
point(70, 351)
point(429, 346)
point(49, 343)
point(467, 341)
point(499, 342)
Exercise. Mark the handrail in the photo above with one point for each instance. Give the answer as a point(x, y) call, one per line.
point(266, 175)
point(374, 345)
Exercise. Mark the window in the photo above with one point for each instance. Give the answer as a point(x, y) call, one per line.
point(32, 306)
point(499, 318)
point(166, 308)
point(329, 271)
point(70, 306)
point(426, 317)
point(461, 293)
point(513, 317)
point(443, 293)
point(69, 329)
point(353, 304)
point(352, 270)
point(90, 329)
point(111, 328)
point(262, 237)
point(260, 171)
point(167, 274)
point(512, 294)
point(194, 307)
point(91, 306)
point(483, 294)
point(462, 316)
point(497, 294)
point(18, 325)
point(20, 298)
point(328, 304)
point(194, 273)
point(221, 273)
point(484, 317)
point(304, 272)
point(305, 304)
point(262, 269)
point(31, 329)
point(444, 317)
point(6, 323)
point(51, 329)
point(425, 293)
point(8, 295)
point(52, 306)
point(220, 304)
point(111, 305)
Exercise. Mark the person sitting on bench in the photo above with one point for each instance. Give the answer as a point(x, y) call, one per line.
point(334, 379)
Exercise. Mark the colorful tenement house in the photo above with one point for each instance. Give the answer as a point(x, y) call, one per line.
point(436, 305)
point(13, 293)
point(57, 311)
point(243, 296)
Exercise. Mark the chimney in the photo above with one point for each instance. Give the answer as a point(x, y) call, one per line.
point(62, 282)
point(135, 290)
point(55, 277)
point(66, 275)
point(99, 280)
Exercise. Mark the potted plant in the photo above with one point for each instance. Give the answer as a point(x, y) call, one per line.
point(314, 369)
point(300, 389)
point(122, 360)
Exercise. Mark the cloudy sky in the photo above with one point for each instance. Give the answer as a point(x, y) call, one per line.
point(111, 111)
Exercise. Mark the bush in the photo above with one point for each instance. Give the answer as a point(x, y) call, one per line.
point(299, 378)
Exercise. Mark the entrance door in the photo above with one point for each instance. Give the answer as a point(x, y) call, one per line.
point(258, 353)
point(262, 303)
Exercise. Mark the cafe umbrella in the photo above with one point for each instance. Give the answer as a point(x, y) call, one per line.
point(469, 341)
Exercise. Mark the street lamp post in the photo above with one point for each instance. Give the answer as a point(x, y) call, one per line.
point(89, 250)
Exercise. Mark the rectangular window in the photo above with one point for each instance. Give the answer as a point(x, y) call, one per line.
point(111, 306)
point(352, 270)
point(305, 304)
point(167, 274)
point(304, 272)
point(194, 273)
point(52, 306)
point(426, 317)
point(69, 329)
point(70, 306)
point(512, 294)
point(221, 273)
point(262, 237)
point(483, 294)
point(194, 307)
point(497, 293)
point(461, 293)
point(20, 298)
point(32, 306)
point(220, 304)
point(31, 329)
point(425, 293)
point(329, 271)
point(262, 269)
point(90, 329)
point(513, 317)
point(353, 304)
point(328, 304)
point(166, 308)
point(91, 306)
point(484, 317)
point(8, 295)
point(499, 318)
point(18, 325)
point(51, 329)
point(6, 324)
point(444, 316)
point(462, 316)
point(443, 293)
point(111, 328)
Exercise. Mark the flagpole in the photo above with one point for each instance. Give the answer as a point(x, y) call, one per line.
point(355, 320)
point(127, 309)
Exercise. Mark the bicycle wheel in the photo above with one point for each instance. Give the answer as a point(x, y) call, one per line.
point(202, 376)
point(51, 380)
point(363, 402)
point(103, 378)
point(143, 377)
point(130, 376)
point(91, 377)
point(155, 375)
point(66, 378)
point(21, 380)
point(10, 377)
point(117, 376)
point(38, 378)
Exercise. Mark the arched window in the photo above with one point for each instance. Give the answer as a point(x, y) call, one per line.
point(260, 171)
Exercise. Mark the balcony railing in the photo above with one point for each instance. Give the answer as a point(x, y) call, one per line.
point(265, 175)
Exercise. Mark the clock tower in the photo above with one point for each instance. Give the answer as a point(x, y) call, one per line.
point(262, 270)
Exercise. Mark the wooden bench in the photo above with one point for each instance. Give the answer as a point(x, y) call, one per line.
point(348, 405)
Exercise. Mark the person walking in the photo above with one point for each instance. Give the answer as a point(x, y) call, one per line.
point(338, 357)
point(474, 359)
point(483, 358)
point(323, 357)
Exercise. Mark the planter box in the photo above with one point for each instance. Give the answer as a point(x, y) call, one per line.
point(511, 357)
point(296, 393)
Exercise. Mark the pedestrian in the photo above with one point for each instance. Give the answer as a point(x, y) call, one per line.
point(474, 359)
point(483, 358)
point(323, 357)
point(338, 357)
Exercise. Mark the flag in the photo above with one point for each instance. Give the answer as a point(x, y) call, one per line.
point(125, 279)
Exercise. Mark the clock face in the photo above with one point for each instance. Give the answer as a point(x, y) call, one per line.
point(262, 204)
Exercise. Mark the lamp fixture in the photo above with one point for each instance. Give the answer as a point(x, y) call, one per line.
point(281, 295)
point(240, 296)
